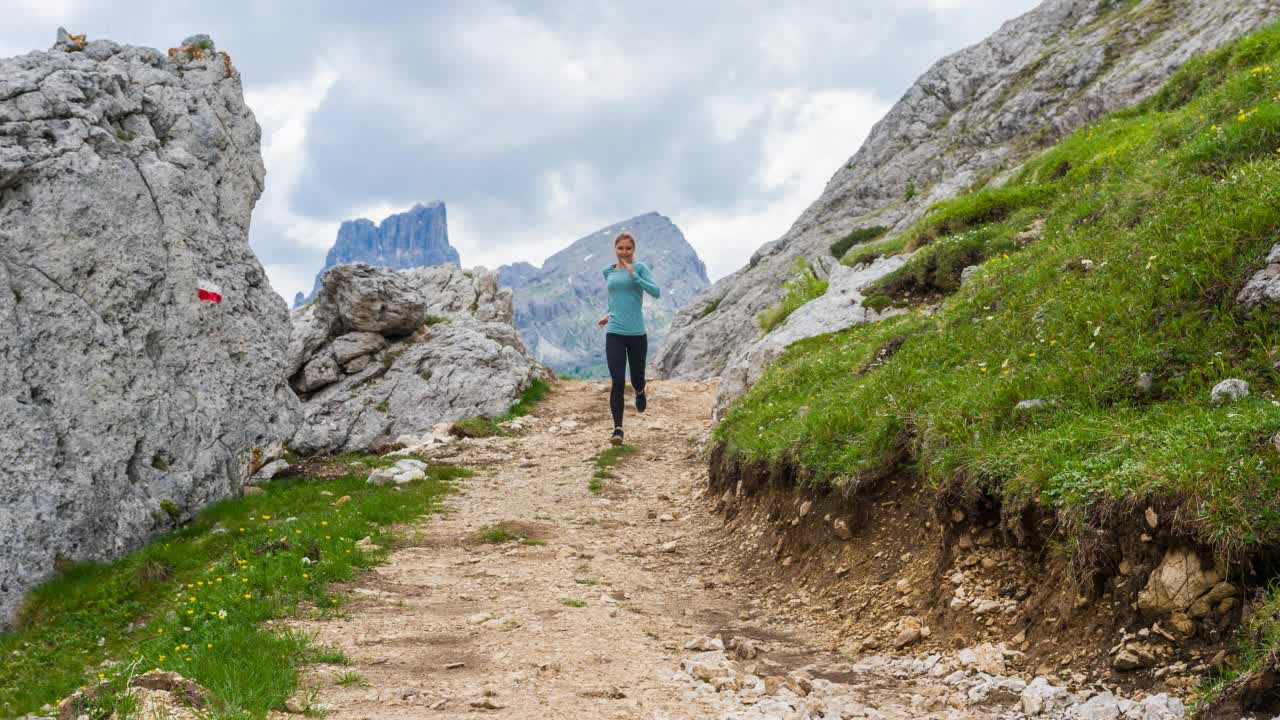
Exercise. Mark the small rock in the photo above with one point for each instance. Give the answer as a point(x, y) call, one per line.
point(668, 547)
point(841, 529)
point(1031, 404)
point(805, 507)
point(1153, 520)
point(342, 500)
point(903, 586)
point(294, 705)
point(666, 517)
point(454, 665)
point(1229, 390)
point(1144, 383)
point(704, 643)
point(271, 469)
point(251, 490)
point(908, 632)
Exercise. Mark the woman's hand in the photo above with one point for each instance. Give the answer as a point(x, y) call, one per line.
point(603, 321)
point(626, 265)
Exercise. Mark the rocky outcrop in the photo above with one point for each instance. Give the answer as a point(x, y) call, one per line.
point(127, 178)
point(417, 238)
point(840, 306)
point(383, 353)
point(557, 305)
point(973, 115)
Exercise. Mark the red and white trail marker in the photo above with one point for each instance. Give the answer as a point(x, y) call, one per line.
point(210, 292)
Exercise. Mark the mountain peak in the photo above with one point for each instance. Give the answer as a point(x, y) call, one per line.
point(418, 237)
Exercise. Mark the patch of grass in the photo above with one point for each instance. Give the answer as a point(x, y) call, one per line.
point(372, 461)
point(351, 678)
point(172, 511)
point(481, 427)
point(910, 191)
point(390, 356)
point(801, 288)
point(604, 460)
point(710, 308)
point(496, 534)
point(841, 247)
point(872, 251)
point(476, 427)
point(194, 600)
point(435, 320)
point(570, 602)
point(585, 581)
point(1155, 218)
point(527, 401)
point(991, 205)
point(381, 407)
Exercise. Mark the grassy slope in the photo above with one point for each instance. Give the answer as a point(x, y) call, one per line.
point(192, 601)
point(1174, 204)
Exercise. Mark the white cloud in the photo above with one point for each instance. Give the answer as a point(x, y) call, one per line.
point(809, 136)
point(284, 112)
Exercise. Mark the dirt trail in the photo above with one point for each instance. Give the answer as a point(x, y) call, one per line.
point(452, 627)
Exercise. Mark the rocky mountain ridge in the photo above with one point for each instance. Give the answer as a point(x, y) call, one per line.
point(418, 237)
point(557, 305)
point(969, 120)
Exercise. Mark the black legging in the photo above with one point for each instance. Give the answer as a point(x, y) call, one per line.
point(620, 351)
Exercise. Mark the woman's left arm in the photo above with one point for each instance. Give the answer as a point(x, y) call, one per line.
point(646, 280)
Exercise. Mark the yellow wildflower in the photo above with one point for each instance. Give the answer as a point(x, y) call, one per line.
point(162, 658)
point(247, 596)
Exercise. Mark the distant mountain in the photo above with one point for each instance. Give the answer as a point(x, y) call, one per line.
point(417, 238)
point(557, 305)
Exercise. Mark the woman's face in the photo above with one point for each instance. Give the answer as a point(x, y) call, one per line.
point(625, 248)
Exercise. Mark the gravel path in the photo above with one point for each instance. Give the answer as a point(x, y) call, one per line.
point(593, 615)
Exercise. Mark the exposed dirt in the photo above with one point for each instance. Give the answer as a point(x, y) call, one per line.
point(452, 626)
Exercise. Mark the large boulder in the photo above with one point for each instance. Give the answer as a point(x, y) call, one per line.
point(383, 353)
point(974, 115)
point(131, 398)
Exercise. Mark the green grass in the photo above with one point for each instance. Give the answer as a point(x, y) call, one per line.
point(872, 251)
point(193, 601)
point(570, 602)
point(860, 236)
point(801, 288)
point(1173, 203)
point(605, 460)
point(480, 427)
point(476, 427)
point(351, 679)
point(710, 308)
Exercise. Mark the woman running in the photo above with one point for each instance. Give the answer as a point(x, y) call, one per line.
point(625, 340)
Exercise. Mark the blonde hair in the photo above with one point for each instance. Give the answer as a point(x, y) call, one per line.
point(624, 235)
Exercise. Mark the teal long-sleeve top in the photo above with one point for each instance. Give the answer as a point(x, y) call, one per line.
point(626, 298)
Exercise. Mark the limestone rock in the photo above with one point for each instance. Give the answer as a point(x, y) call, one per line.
point(462, 356)
point(356, 344)
point(985, 658)
point(1263, 288)
point(970, 116)
point(1229, 390)
point(1176, 583)
point(1039, 697)
point(127, 179)
point(271, 469)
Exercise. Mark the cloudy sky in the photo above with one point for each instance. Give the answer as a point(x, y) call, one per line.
point(539, 122)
